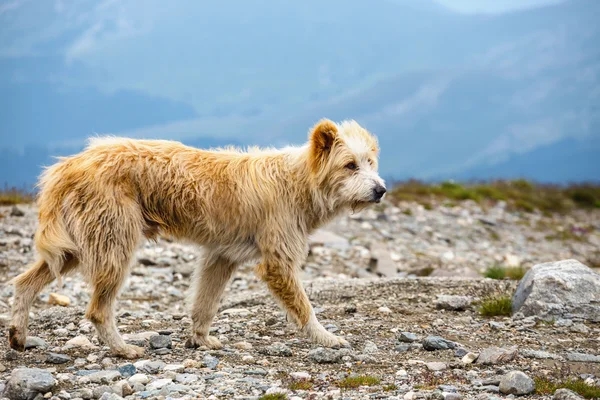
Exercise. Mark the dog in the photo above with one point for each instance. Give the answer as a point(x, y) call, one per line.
point(97, 206)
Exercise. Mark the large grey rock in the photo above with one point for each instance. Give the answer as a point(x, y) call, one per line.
point(453, 303)
point(27, 383)
point(557, 290)
point(496, 355)
point(516, 382)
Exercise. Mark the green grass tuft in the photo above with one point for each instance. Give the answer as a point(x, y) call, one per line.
point(500, 272)
point(496, 306)
point(390, 388)
point(544, 386)
point(274, 396)
point(352, 382)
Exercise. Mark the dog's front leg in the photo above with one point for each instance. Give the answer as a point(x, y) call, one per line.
point(283, 281)
point(209, 281)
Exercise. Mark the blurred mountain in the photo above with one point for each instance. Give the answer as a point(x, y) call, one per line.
point(448, 94)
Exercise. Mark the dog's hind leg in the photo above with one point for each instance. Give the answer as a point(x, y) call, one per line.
point(106, 253)
point(210, 281)
point(27, 286)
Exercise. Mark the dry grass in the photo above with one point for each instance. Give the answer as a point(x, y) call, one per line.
point(300, 384)
point(519, 194)
point(12, 195)
point(274, 396)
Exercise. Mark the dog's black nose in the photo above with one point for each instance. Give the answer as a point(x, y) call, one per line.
point(378, 192)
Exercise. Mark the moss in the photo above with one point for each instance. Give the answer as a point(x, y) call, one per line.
point(543, 386)
point(352, 382)
point(496, 306)
point(495, 272)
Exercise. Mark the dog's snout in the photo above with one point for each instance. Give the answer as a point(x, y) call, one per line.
point(378, 192)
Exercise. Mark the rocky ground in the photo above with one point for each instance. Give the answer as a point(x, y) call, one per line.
point(379, 278)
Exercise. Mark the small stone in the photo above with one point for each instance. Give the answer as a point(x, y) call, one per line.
point(452, 396)
point(16, 212)
point(432, 343)
point(453, 303)
point(139, 379)
point(27, 383)
point(385, 310)
point(127, 370)
point(242, 346)
point(407, 337)
point(160, 342)
point(59, 300)
point(460, 352)
point(300, 375)
point(158, 384)
point(186, 378)
point(104, 376)
point(79, 341)
point(370, 347)
point(55, 358)
point(516, 382)
point(436, 366)
point(495, 355)
point(110, 396)
point(580, 328)
point(322, 355)
point(469, 358)
point(34, 341)
point(210, 362)
point(566, 394)
point(277, 349)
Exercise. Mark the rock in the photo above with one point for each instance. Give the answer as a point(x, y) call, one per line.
point(516, 382)
point(557, 289)
point(139, 378)
point(432, 343)
point(407, 337)
point(460, 352)
point(322, 355)
point(55, 358)
point(110, 396)
point(384, 310)
point(79, 341)
point(496, 355)
point(453, 303)
point(566, 394)
point(28, 383)
point(104, 376)
point(300, 375)
point(34, 341)
point(16, 212)
point(580, 328)
point(436, 366)
point(160, 342)
point(59, 300)
point(582, 357)
point(159, 384)
point(127, 370)
point(277, 349)
point(382, 261)
point(242, 346)
point(469, 358)
point(370, 347)
point(452, 396)
point(210, 362)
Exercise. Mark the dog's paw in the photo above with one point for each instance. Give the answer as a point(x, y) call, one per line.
point(16, 339)
point(328, 339)
point(198, 341)
point(130, 351)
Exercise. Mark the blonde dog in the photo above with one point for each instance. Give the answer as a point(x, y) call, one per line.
point(97, 206)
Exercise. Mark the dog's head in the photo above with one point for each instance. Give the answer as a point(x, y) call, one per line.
point(343, 160)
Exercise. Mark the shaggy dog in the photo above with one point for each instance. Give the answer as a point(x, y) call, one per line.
point(97, 206)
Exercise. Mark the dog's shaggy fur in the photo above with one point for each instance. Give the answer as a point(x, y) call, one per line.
point(97, 206)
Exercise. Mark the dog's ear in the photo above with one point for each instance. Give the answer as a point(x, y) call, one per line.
point(322, 137)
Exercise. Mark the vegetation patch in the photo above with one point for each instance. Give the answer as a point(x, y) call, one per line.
point(13, 195)
point(352, 382)
point(273, 396)
point(300, 384)
point(500, 272)
point(543, 386)
point(520, 195)
point(496, 306)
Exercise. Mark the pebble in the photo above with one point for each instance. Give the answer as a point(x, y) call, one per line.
point(436, 366)
point(34, 341)
point(55, 358)
point(322, 355)
point(127, 370)
point(210, 362)
point(566, 394)
point(469, 358)
point(496, 355)
point(160, 342)
point(27, 383)
point(432, 343)
point(277, 349)
point(407, 337)
point(516, 382)
point(139, 378)
point(453, 303)
point(79, 341)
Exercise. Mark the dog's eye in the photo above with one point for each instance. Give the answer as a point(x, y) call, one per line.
point(352, 166)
